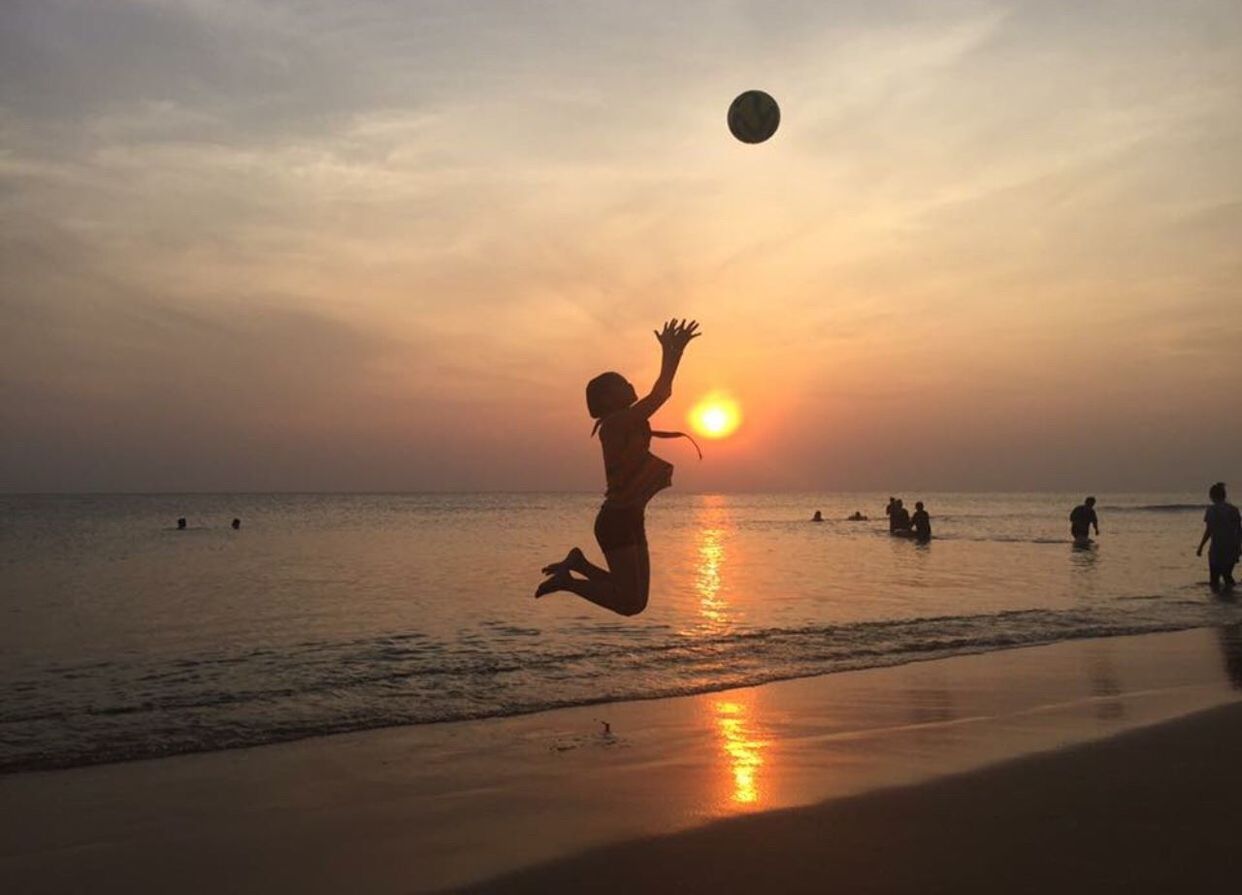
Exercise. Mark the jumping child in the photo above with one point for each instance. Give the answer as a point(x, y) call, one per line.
point(634, 475)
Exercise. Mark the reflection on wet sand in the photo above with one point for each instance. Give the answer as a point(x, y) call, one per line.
point(1231, 649)
point(930, 704)
point(1105, 687)
point(743, 748)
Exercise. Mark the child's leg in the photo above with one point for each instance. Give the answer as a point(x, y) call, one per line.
point(621, 589)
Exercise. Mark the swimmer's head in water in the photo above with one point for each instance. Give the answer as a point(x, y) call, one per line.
point(607, 393)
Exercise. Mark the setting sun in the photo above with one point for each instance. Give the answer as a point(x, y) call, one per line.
point(715, 416)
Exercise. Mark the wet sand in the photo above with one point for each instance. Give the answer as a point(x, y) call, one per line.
point(1157, 810)
point(894, 754)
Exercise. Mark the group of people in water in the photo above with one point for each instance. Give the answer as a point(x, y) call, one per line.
point(1222, 531)
point(901, 523)
point(182, 524)
point(1222, 535)
point(855, 516)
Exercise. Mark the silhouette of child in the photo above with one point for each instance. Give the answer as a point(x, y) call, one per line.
point(634, 475)
point(921, 522)
point(1223, 528)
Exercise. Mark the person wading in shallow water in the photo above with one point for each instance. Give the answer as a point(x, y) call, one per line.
point(921, 522)
point(899, 518)
point(1222, 525)
point(1082, 520)
point(634, 475)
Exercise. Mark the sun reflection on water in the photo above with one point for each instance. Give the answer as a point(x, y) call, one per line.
point(711, 558)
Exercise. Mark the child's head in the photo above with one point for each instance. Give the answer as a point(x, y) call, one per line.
point(607, 393)
point(1217, 492)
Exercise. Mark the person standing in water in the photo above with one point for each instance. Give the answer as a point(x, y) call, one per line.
point(1222, 525)
point(634, 475)
point(899, 518)
point(1082, 518)
point(921, 522)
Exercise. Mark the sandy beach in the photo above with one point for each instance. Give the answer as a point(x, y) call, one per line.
point(1156, 810)
point(912, 773)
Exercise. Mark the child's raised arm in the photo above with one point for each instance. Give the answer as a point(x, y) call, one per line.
point(673, 340)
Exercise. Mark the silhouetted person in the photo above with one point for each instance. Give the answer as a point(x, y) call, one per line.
point(634, 475)
point(181, 524)
point(888, 511)
point(1222, 525)
point(1082, 518)
point(858, 517)
point(921, 522)
point(899, 518)
point(236, 524)
point(818, 517)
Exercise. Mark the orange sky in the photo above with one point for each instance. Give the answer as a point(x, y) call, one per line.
point(383, 246)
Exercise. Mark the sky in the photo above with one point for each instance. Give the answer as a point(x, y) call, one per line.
point(310, 245)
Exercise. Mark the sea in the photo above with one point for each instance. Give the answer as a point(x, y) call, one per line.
point(122, 637)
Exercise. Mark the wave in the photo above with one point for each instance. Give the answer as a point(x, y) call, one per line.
point(1158, 508)
point(218, 702)
point(1000, 539)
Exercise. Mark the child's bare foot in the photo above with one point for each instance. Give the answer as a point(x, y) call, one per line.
point(558, 580)
point(573, 560)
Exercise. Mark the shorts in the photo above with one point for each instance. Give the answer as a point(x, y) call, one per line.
point(617, 527)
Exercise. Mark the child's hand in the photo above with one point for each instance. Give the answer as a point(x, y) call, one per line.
point(676, 336)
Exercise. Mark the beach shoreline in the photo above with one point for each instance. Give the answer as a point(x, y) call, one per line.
point(442, 806)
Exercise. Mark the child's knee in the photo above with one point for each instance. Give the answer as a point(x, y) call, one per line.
point(633, 606)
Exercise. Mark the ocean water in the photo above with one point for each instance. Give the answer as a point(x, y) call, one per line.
point(122, 637)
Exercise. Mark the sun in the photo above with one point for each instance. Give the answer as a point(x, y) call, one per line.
point(715, 416)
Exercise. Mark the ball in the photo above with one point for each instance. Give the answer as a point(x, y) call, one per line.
point(754, 116)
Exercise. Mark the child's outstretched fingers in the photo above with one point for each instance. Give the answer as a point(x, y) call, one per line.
point(677, 334)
